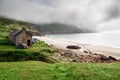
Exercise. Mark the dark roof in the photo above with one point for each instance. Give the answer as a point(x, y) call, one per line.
point(16, 32)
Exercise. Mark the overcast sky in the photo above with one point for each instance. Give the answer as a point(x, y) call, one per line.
point(92, 14)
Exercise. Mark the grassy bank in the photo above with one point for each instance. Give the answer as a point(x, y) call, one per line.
point(34, 70)
point(38, 52)
point(8, 52)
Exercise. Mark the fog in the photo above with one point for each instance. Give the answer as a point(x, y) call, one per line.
point(95, 15)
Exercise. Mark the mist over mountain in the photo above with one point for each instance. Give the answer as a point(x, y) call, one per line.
point(57, 28)
point(87, 15)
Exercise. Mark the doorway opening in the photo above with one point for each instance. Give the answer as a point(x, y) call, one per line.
point(28, 43)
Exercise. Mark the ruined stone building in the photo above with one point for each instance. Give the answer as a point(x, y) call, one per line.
point(20, 37)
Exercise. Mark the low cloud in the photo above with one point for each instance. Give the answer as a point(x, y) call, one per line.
point(85, 14)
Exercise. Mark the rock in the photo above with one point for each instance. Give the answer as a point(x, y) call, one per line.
point(102, 57)
point(108, 58)
point(22, 46)
point(67, 54)
point(73, 47)
point(74, 60)
point(89, 57)
point(112, 58)
point(90, 52)
point(86, 52)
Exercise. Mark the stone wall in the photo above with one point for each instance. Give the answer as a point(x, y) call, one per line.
point(23, 37)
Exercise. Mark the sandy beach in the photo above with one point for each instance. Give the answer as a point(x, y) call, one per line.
point(60, 44)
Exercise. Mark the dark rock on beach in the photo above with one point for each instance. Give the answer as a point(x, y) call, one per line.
point(73, 47)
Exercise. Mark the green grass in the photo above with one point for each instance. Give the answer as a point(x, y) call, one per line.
point(8, 52)
point(7, 26)
point(38, 52)
point(25, 64)
point(35, 70)
point(5, 42)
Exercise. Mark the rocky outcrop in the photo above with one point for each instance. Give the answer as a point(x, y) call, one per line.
point(86, 56)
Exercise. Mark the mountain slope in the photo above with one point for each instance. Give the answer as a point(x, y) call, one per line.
point(57, 28)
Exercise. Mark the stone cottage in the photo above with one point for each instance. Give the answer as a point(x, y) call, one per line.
point(21, 37)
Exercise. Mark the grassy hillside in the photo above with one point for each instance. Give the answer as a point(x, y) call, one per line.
point(36, 63)
point(34, 70)
point(8, 52)
point(7, 26)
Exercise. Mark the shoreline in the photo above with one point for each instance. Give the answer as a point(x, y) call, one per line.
point(96, 49)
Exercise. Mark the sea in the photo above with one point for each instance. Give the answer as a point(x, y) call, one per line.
point(106, 38)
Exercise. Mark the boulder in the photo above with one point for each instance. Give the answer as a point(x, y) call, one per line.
point(107, 58)
point(112, 58)
point(73, 47)
point(102, 57)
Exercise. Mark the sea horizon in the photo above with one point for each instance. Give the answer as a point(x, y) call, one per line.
point(106, 38)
